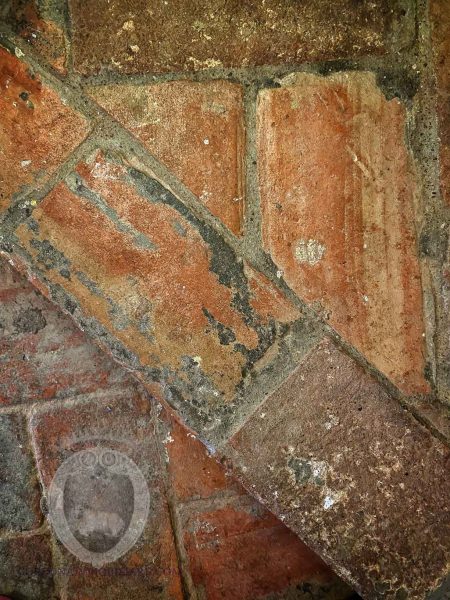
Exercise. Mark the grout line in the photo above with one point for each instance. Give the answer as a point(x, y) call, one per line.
point(252, 200)
point(189, 591)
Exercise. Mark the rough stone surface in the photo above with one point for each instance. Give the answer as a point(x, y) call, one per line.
point(19, 495)
point(196, 130)
point(226, 532)
point(440, 26)
point(42, 354)
point(124, 422)
point(197, 319)
point(337, 190)
point(40, 23)
point(131, 36)
point(38, 129)
point(26, 570)
point(353, 474)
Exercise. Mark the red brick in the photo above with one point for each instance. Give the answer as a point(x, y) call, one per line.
point(198, 477)
point(196, 130)
point(40, 24)
point(42, 354)
point(239, 551)
point(26, 569)
point(132, 36)
point(229, 535)
point(167, 286)
point(440, 27)
point(123, 422)
point(39, 131)
point(353, 474)
point(337, 190)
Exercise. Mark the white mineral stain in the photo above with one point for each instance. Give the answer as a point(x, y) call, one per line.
point(309, 251)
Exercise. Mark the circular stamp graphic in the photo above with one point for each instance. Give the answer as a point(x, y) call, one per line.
point(98, 503)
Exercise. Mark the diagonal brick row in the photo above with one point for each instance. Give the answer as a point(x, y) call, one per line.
point(296, 417)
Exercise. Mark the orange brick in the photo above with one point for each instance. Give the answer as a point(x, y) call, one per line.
point(38, 130)
point(196, 130)
point(163, 283)
point(337, 193)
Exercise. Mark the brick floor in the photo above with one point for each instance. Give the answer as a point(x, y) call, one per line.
point(244, 207)
point(111, 409)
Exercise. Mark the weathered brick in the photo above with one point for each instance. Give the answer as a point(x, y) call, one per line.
point(226, 532)
point(196, 130)
point(26, 569)
point(337, 190)
point(40, 23)
point(38, 130)
point(42, 353)
point(201, 476)
point(440, 27)
point(122, 422)
point(19, 495)
point(239, 551)
point(353, 474)
point(165, 284)
point(132, 36)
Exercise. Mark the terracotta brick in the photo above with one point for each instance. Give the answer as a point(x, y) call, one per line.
point(239, 551)
point(353, 474)
point(440, 27)
point(196, 130)
point(19, 495)
point(198, 477)
point(26, 569)
point(162, 282)
point(42, 354)
point(131, 36)
point(39, 131)
point(337, 190)
point(40, 23)
point(124, 422)
point(236, 548)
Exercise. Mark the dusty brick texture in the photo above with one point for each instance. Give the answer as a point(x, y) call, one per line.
point(239, 204)
point(35, 566)
point(352, 471)
point(338, 214)
point(133, 37)
point(108, 235)
point(196, 130)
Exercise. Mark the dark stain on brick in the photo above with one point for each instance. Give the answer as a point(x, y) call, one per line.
point(30, 320)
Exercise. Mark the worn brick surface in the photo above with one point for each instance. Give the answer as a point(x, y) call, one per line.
point(40, 23)
point(19, 495)
point(131, 36)
point(235, 548)
point(337, 193)
point(196, 129)
point(199, 320)
point(123, 422)
point(353, 474)
point(26, 569)
point(38, 130)
point(42, 353)
point(440, 27)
